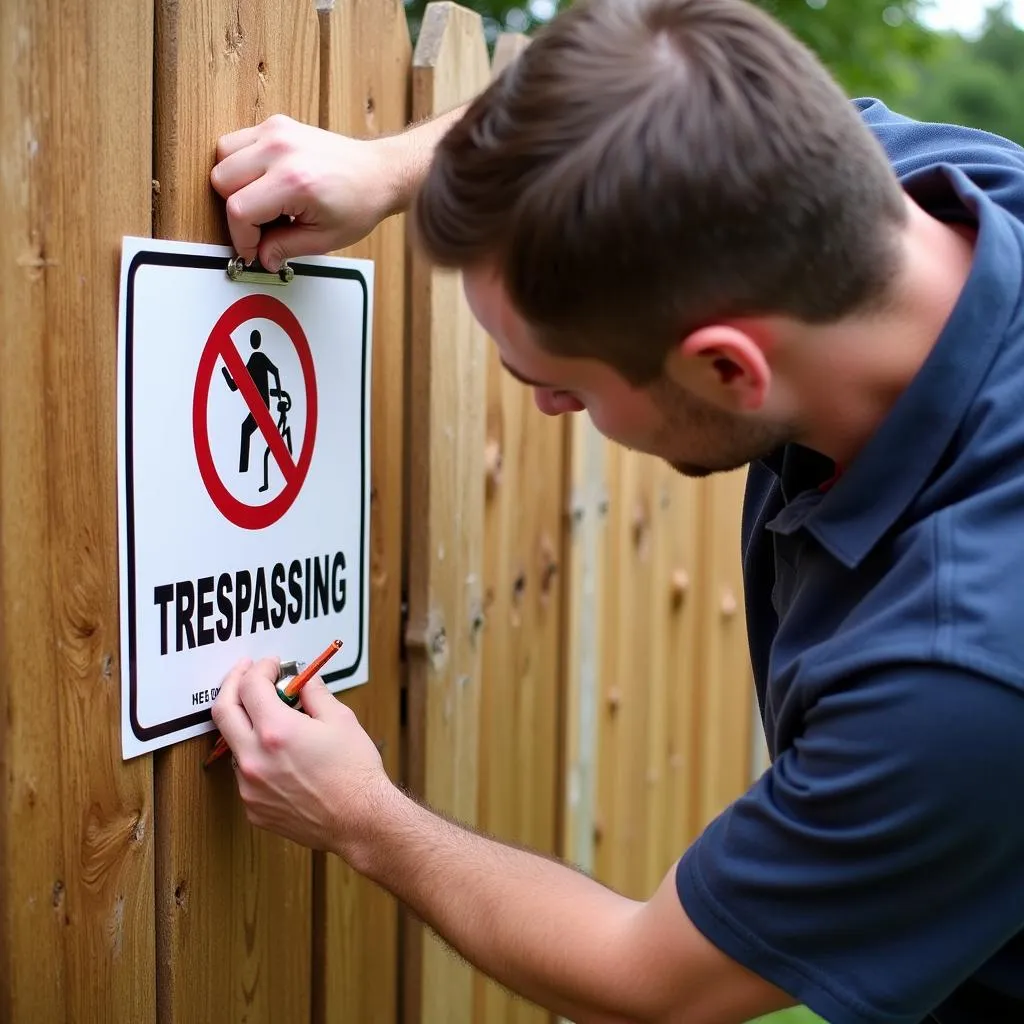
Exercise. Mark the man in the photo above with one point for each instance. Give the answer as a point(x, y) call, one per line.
point(261, 369)
point(667, 214)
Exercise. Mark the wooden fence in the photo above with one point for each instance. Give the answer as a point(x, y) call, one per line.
point(571, 673)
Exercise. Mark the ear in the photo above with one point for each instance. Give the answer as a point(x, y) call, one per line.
point(728, 365)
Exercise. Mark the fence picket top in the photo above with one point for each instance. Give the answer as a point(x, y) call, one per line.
point(76, 845)
point(366, 56)
point(448, 368)
point(234, 904)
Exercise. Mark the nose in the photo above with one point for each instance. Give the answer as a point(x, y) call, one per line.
point(553, 402)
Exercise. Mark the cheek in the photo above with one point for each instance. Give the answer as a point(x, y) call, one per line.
point(624, 422)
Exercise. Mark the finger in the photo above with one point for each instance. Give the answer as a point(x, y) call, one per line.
point(317, 700)
point(232, 142)
point(256, 690)
point(238, 169)
point(248, 209)
point(229, 715)
point(281, 243)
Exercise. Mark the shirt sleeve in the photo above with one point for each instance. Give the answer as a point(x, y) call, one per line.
point(878, 862)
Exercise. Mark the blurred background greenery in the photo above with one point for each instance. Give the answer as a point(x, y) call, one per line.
point(944, 60)
point(959, 61)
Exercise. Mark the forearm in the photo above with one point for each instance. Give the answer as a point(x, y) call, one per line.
point(546, 931)
point(410, 154)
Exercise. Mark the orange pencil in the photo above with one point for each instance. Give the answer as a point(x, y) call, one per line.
point(288, 692)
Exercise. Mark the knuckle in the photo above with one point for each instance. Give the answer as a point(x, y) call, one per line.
point(235, 207)
point(298, 180)
point(271, 738)
point(279, 122)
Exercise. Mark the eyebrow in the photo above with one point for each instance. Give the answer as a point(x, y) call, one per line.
point(529, 382)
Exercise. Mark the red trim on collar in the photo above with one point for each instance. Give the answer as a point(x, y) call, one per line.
point(831, 481)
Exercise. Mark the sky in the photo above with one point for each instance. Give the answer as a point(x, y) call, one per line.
point(963, 15)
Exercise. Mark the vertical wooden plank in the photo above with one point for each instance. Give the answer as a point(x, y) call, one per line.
point(447, 409)
point(650, 637)
point(681, 581)
point(76, 823)
point(519, 778)
point(612, 745)
point(625, 708)
point(631, 702)
point(234, 904)
point(657, 639)
point(584, 649)
point(365, 62)
point(724, 740)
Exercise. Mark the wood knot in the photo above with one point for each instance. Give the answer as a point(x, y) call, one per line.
point(548, 565)
point(680, 587)
point(641, 527)
point(493, 461)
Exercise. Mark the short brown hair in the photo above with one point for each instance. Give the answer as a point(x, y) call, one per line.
point(648, 165)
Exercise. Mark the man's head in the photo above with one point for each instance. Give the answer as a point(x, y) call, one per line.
point(255, 339)
point(643, 200)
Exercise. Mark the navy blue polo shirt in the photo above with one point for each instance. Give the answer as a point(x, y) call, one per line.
point(876, 870)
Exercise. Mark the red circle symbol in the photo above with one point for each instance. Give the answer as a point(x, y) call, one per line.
point(219, 344)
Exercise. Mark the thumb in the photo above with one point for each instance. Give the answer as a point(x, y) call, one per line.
point(281, 243)
point(317, 700)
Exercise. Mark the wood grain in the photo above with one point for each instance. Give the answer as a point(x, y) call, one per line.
point(365, 70)
point(76, 846)
point(652, 600)
point(519, 777)
point(234, 905)
point(447, 408)
point(724, 744)
point(584, 649)
point(678, 587)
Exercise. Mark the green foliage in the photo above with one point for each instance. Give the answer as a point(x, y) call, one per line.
point(976, 82)
point(798, 1015)
point(865, 43)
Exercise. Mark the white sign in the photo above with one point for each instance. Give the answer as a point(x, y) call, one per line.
point(244, 477)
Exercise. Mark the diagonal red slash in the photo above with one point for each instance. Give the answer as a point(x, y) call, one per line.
point(260, 413)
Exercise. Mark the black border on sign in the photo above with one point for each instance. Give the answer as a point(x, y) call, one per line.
point(219, 263)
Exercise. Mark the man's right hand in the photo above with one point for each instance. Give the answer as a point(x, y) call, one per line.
point(335, 189)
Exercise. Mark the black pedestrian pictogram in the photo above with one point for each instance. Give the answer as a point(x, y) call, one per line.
point(261, 369)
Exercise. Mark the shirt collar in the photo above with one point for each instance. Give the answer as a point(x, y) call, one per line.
point(852, 516)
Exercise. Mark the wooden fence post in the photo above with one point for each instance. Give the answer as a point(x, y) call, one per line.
point(234, 907)
point(76, 823)
point(524, 556)
point(447, 400)
point(365, 64)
